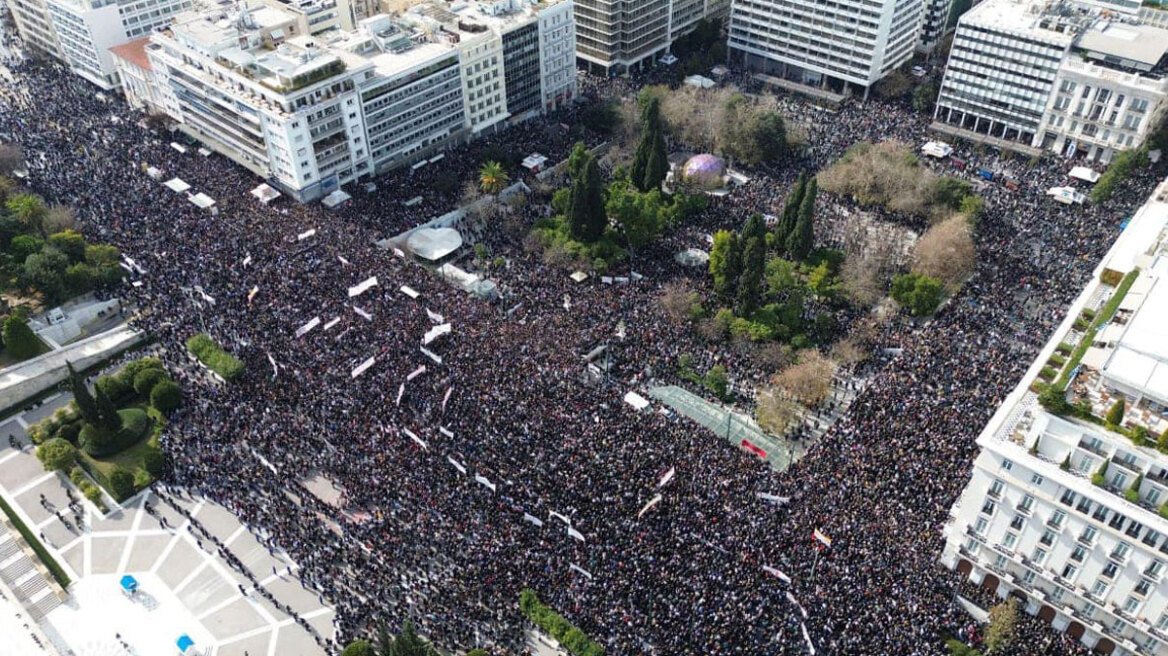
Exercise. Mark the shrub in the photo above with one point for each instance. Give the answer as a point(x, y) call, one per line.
point(558, 627)
point(1164, 510)
point(1064, 348)
point(116, 388)
point(1054, 400)
point(166, 396)
point(1057, 360)
point(1047, 373)
point(142, 479)
point(70, 431)
point(213, 355)
point(131, 369)
point(57, 454)
point(100, 442)
point(121, 483)
point(153, 461)
point(921, 295)
point(145, 380)
point(77, 475)
point(716, 381)
point(93, 493)
point(359, 648)
point(1115, 414)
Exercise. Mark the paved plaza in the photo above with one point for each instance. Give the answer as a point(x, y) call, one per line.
point(185, 587)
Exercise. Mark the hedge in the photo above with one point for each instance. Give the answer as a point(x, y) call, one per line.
point(555, 625)
point(50, 563)
point(211, 354)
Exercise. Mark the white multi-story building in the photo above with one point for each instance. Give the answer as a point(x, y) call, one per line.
point(81, 32)
point(934, 24)
point(1067, 514)
point(823, 42)
point(310, 113)
point(1070, 77)
point(615, 36)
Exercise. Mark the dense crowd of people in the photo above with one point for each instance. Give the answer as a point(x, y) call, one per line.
point(497, 469)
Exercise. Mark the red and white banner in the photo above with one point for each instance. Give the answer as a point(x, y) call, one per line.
point(807, 637)
point(435, 332)
point(774, 498)
point(305, 235)
point(430, 354)
point(564, 518)
point(445, 431)
point(344, 261)
point(533, 519)
point(575, 534)
point(576, 568)
point(794, 602)
point(332, 323)
point(749, 446)
point(400, 390)
point(434, 316)
point(252, 294)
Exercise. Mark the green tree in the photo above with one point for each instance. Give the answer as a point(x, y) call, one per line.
point(1132, 494)
point(1002, 625)
point(359, 648)
point(750, 283)
point(166, 395)
point(790, 216)
point(492, 178)
point(1162, 441)
point(717, 381)
point(1099, 478)
point(22, 246)
point(30, 210)
point(85, 403)
point(57, 454)
point(725, 265)
point(384, 640)
point(650, 160)
point(107, 413)
point(21, 342)
point(45, 271)
point(586, 220)
point(409, 643)
point(637, 215)
point(121, 483)
point(924, 97)
point(921, 295)
point(801, 239)
point(69, 242)
point(1115, 414)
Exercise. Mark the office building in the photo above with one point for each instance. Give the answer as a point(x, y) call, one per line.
point(1067, 77)
point(846, 47)
point(934, 24)
point(81, 32)
point(309, 113)
point(1068, 514)
point(616, 36)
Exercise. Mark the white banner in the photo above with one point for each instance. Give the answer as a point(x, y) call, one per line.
point(303, 330)
point(250, 295)
point(398, 252)
point(485, 482)
point(775, 572)
point(575, 568)
point(553, 513)
point(576, 534)
point(275, 369)
point(362, 313)
point(432, 355)
point(400, 390)
point(362, 287)
point(773, 498)
point(247, 260)
point(667, 477)
point(457, 465)
point(206, 297)
point(446, 397)
point(363, 366)
point(408, 291)
point(444, 431)
point(344, 261)
point(791, 598)
point(652, 502)
point(807, 637)
point(416, 372)
point(332, 323)
point(434, 316)
point(534, 520)
point(305, 235)
point(435, 332)
point(420, 441)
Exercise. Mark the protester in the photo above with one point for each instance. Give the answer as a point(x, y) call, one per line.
point(419, 536)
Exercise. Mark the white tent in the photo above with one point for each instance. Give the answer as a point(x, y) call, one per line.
point(579, 276)
point(938, 149)
point(334, 199)
point(636, 400)
point(179, 147)
point(534, 162)
point(1085, 174)
point(1066, 195)
point(204, 152)
point(176, 185)
point(669, 59)
point(265, 193)
point(153, 173)
point(201, 200)
point(700, 82)
point(434, 243)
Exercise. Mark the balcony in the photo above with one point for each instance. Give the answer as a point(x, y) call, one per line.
point(1097, 450)
point(1053, 525)
point(974, 534)
point(1117, 558)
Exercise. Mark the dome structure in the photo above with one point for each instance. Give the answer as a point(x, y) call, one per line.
point(704, 170)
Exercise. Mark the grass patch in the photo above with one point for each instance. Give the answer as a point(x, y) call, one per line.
point(214, 357)
point(132, 458)
point(50, 563)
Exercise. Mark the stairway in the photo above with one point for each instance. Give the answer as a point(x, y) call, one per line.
point(20, 574)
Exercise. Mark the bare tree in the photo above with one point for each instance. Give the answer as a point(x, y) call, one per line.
point(808, 381)
point(772, 356)
point(58, 218)
point(849, 351)
point(11, 158)
point(676, 301)
point(774, 412)
point(946, 252)
point(861, 280)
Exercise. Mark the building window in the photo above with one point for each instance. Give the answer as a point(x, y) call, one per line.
point(1109, 571)
point(1039, 556)
point(1131, 605)
point(996, 489)
point(1154, 568)
point(1121, 551)
point(1069, 572)
point(1036, 480)
point(1099, 590)
point(1047, 537)
point(1162, 623)
point(1007, 465)
point(1017, 523)
point(1088, 535)
point(1009, 541)
point(1142, 588)
point(980, 526)
point(1079, 553)
point(1068, 498)
point(1056, 519)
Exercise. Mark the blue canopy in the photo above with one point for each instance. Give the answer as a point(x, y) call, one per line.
point(129, 583)
point(184, 643)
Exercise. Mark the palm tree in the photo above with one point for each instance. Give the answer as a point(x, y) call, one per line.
point(492, 178)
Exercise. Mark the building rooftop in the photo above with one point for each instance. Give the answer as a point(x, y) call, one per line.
point(1053, 23)
point(1144, 46)
point(134, 52)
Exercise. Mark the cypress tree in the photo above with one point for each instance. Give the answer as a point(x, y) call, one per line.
point(802, 238)
point(650, 161)
point(750, 283)
point(790, 211)
point(107, 413)
point(81, 395)
point(727, 282)
point(587, 218)
point(754, 228)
